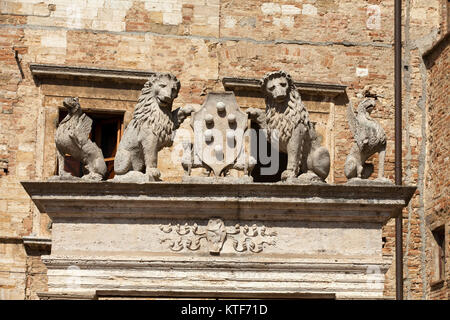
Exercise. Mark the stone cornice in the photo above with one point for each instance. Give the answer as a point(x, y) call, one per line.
point(50, 71)
point(234, 201)
point(304, 87)
point(44, 71)
point(37, 243)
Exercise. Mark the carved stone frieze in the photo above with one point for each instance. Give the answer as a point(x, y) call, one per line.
point(215, 234)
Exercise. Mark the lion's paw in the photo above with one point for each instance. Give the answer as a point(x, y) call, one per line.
point(92, 177)
point(187, 110)
point(253, 112)
point(287, 174)
point(153, 174)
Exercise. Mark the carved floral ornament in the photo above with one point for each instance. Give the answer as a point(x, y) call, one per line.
point(215, 233)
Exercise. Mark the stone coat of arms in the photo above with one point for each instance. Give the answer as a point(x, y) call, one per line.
point(219, 128)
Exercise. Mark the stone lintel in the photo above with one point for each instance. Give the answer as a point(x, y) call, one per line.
point(195, 281)
point(183, 294)
point(312, 88)
point(49, 71)
point(194, 293)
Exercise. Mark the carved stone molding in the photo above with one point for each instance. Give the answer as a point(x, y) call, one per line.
point(37, 243)
point(236, 201)
point(244, 238)
point(42, 71)
point(66, 296)
point(312, 88)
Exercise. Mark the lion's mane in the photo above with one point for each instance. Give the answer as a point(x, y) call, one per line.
point(148, 113)
point(284, 116)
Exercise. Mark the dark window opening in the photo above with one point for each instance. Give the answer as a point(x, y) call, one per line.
point(107, 130)
point(257, 174)
point(439, 255)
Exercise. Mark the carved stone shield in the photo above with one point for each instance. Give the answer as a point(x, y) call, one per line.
point(215, 235)
point(219, 128)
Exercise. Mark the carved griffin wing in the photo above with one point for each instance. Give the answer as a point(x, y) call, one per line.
point(352, 121)
point(360, 134)
point(83, 130)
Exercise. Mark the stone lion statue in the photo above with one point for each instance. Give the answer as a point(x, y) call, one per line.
point(370, 138)
point(72, 137)
point(287, 120)
point(151, 129)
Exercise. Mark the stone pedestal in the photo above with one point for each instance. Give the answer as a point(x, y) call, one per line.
point(222, 240)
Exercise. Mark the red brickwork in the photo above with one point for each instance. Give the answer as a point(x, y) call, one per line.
point(438, 159)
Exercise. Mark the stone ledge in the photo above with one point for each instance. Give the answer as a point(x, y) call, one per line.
point(11, 239)
point(37, 243)
point(304, 87)
point(66, 296)
point(182, 294)
point(271, 263)
point(43, 71)
point(232, 201)
point(189, 294)
point(204, 190)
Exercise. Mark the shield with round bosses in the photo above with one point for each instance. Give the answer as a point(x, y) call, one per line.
point(219, 128)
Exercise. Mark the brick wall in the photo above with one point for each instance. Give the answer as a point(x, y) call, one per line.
point(438, 161)
point(202, 41)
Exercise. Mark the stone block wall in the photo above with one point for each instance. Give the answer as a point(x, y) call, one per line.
point(13, 261)
point(202, 41)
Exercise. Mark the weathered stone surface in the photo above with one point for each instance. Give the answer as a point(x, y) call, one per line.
point(12, 269)
point(370, 139)
point(72, 137)
point(219, 138)
point(215, 180)
point(150, 130)
point(256, 239)
point(288, 126)
point(367, 182)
